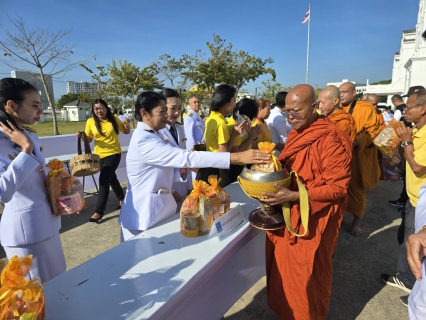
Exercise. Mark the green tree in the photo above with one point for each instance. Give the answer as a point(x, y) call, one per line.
point(383, 82)
point(40, 52)
point(271, 88)
point(173, 70)
point(226, 65)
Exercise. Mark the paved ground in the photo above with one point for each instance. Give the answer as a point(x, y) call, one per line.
point(357, 292)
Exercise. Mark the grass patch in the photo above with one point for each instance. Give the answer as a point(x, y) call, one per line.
point(46, 129)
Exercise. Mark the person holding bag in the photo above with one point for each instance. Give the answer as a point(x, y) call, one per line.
point(28, 225)
point(104, 127)
point(153, 165)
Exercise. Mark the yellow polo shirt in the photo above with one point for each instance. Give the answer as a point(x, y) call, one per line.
point(216, 131)
point(265, 136)
point(414, 182)
point(109, 143)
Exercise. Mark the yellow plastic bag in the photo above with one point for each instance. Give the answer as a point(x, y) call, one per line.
point(20, 298)
point(222, 200)
point(66, 194)
point(273, 164)
point(196, 213)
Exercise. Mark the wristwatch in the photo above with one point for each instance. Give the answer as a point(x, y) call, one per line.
point(405, 143)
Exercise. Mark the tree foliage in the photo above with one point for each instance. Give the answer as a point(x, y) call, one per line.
point(124, 80)
point(69, 97)
point(383, 82)
point(225, 65)
point(271, 88)
point(40, 52)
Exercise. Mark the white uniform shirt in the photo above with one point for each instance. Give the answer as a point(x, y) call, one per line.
point(152, 165)
point(27, 217)
point(194, 129)
point(181, 187)
point(277, 126)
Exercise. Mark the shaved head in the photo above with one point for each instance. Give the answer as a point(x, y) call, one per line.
point(301, 107)
point(347, 93)
point(331, 92)
point(329, 100)
point(373, 99)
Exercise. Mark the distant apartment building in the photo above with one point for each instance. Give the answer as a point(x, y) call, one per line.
point(36, 82)
point(90, 88)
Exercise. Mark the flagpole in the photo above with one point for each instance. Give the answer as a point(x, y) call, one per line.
point(307, 51)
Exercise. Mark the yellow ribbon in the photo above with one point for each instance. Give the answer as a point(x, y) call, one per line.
point(56, 168)
point(269, 147)
point(304, 209)
point(15, 285)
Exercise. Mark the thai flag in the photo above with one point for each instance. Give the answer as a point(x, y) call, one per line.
point(306, 17)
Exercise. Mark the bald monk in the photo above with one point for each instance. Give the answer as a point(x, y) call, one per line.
point(368, 125)
point(329, 104)
point(374, 100)
point(299, 270)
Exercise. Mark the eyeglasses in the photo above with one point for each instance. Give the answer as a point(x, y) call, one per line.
point(297, 114)
point(417, 105)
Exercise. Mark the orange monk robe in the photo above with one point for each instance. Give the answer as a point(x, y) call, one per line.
point(368, 126)
point(299, 270)
point(344, 121)
point(380, 116)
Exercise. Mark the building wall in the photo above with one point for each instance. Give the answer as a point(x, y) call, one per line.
point(82, 87)
point(36, 82)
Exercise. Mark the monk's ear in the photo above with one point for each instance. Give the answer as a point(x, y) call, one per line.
point(315, 106)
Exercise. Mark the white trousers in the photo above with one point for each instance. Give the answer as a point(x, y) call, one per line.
point(127, 234)
point(417, 302)
point(48, 258)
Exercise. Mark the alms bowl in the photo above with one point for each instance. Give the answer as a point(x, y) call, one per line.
point(254, 182)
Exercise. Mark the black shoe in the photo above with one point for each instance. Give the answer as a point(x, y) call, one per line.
point(97, 220)
point(397, 203)
point(393, 281)
point(404, 300)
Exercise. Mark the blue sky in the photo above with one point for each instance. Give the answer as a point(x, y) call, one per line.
point(353, 40)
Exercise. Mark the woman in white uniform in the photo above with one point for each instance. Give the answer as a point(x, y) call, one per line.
point(28, 225)
point(152, 166)
point(174, 134)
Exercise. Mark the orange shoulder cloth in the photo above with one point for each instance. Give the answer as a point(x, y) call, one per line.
point(298, 140)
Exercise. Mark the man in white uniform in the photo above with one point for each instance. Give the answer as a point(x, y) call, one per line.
point(277, 123)
point(193, 125)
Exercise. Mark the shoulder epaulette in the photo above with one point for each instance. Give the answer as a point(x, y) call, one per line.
point(150, 130)
point(29, 129)
point(189, 114)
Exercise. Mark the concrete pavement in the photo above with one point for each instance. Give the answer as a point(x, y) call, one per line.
point(357, 291)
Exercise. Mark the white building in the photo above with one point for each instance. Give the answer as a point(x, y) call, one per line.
point(36, 82)
point(409, 65)
point(241, 95)
point(76, 111)
point(360, 88)
point(90, 88)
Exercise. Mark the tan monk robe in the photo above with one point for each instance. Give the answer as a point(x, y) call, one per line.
point(344, 121)
point(299, 270)
point(368, 126)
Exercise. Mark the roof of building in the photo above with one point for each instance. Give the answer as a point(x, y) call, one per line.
point(77, 103)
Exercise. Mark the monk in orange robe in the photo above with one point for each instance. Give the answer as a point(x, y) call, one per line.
point(373, 99)
point(329, 104)
point(365, 165)
point(299, 270)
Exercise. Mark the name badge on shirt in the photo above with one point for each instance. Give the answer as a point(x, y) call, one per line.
point(229, 222)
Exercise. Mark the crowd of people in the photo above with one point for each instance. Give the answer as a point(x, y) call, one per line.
point(327, 140)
